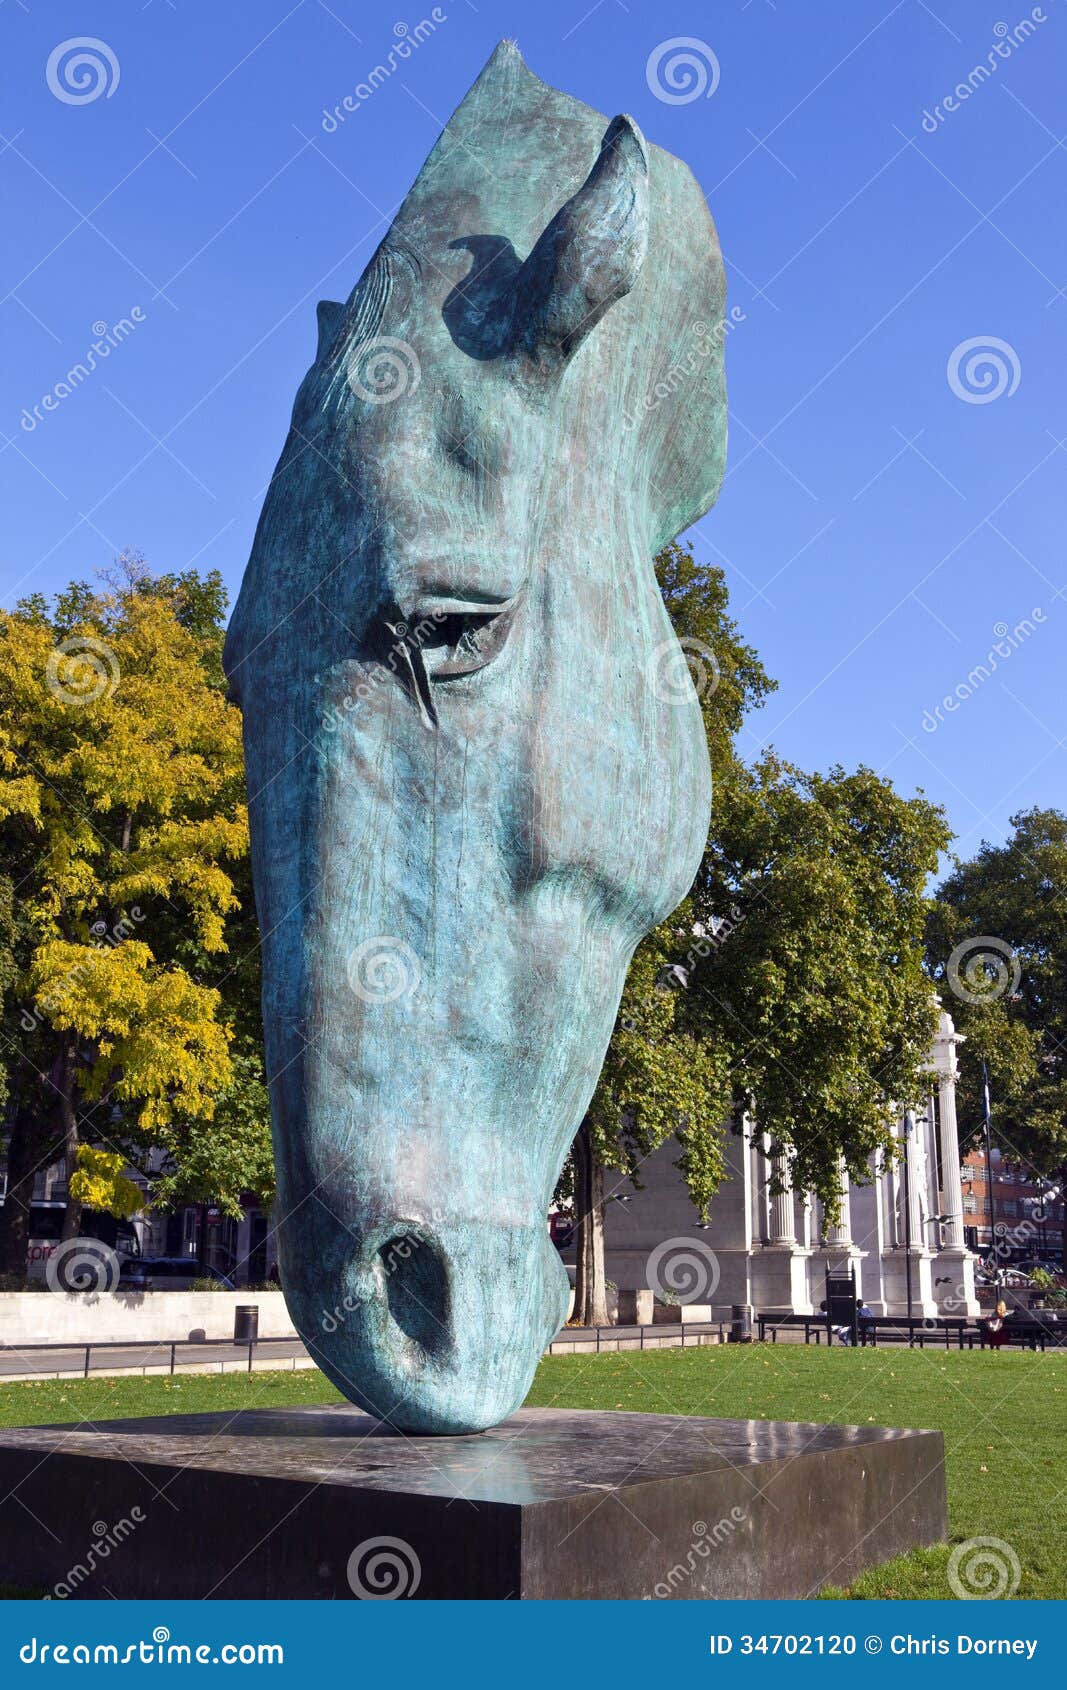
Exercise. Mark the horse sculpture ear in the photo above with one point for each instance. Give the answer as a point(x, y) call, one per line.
point(329, 315)
point(590, 255)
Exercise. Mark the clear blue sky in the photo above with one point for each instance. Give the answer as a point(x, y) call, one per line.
point(876, 527)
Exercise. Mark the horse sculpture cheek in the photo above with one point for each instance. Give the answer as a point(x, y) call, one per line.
point(472, 785)
point(465, 932)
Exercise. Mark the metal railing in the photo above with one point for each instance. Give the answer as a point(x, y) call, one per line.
point(153, 1346)
point(168, 1354)
point(597, 1338)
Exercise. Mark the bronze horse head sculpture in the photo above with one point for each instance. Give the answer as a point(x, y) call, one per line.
point(470, 794)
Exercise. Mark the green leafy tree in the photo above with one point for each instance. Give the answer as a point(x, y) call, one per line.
point(662, 1077)
point(124, 834)
point(660, 1080)
point(997, 945)
point(787, 995)
point(813, 891)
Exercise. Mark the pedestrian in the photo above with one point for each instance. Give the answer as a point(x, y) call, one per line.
point(996, 1332)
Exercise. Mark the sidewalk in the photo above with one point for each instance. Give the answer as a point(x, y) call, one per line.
point(68, 1361)
point(185, 1355)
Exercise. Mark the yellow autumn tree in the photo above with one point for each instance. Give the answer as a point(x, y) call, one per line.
point(122, 826)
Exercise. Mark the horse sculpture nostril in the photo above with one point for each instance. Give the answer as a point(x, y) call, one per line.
point(428, 1333)
point(418, 1291)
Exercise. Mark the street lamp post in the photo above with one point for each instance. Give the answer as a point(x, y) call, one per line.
point(986, 1116)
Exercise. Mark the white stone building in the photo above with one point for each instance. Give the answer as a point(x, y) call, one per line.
point(772, 1252)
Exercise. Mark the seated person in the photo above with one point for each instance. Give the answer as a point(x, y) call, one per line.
point(996, 1332)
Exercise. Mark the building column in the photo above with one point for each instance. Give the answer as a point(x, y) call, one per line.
point(783, 1225)
point(808, 1223)
point(946, 1067)
point(780, 1266)
point(841, 1233)
point(899, 1264)
point(912, 1222)
point(954, 1283)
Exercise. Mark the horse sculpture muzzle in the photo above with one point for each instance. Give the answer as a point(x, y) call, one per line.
point(474, 781)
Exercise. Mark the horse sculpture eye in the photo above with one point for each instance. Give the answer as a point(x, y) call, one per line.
point(465, 641)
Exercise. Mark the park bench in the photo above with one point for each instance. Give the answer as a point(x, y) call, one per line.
point(874, 1328)
point(810, 1322)
point(1030, 1332)
point(914, 1329)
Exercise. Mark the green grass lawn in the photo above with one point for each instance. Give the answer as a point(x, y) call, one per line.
point(1004, 1417)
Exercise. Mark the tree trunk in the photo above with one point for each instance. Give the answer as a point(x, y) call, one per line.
point(34, 1143)
point(590, 1286)
point(1063, 1201)
point(22, 1162)
point(68, 1126)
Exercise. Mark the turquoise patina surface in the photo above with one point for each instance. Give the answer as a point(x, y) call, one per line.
point(475, 782)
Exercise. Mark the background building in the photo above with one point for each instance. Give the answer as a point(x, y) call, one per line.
point(1028, 1211)
point(241, 1249)
point(904, 1228)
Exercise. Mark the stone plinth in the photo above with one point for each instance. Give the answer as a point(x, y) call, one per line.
point(295, 1502)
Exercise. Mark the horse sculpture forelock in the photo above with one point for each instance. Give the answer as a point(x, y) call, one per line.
point(470, 794)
